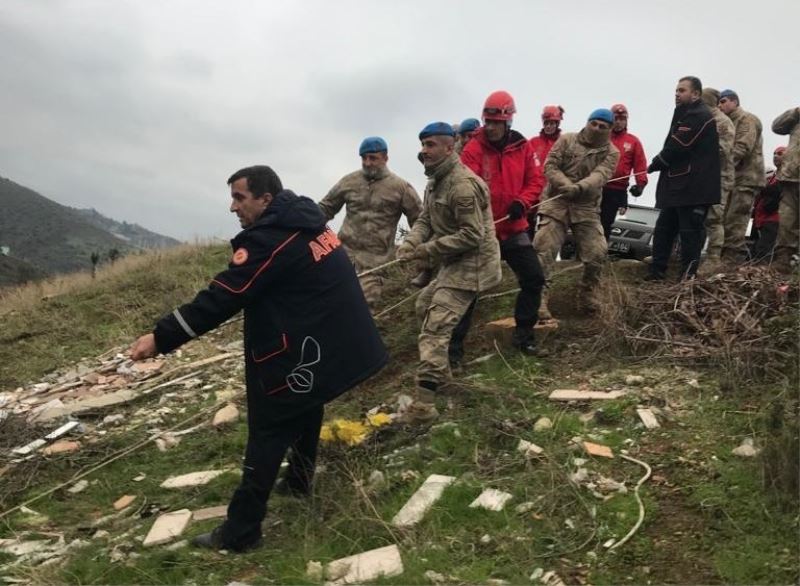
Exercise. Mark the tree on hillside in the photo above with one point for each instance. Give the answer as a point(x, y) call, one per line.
point(113, 255)
point(95, 258)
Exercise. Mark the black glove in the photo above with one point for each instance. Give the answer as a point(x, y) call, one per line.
point(657, 164)
point(516, 210)
point(635, 190)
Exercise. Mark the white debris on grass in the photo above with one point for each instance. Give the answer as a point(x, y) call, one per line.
point(542, 424)
point(192, 479)
point(366, 567)
point(529, 449)
point(167, 527)
point(491, 499)
point(746, 449)
point(422, 500)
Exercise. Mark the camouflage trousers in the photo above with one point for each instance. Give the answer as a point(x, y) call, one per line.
point(789, 228)
point(737, 216)
point(590, 243)
point(715, 228)
point(371, 285)
point(440, 309)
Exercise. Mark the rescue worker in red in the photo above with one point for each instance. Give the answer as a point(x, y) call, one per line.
point(552, 116)
point(505, 160)
point(631, 160)
point(765, 211)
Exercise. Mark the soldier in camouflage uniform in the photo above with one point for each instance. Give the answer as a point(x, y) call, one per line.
point(375, 198)
point(727, 133)
point(466, 130)
point(456, 233)
point(748, 161)
point(789, 178)
point(577, 168)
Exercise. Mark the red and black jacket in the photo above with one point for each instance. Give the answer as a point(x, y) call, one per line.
point(308, 333)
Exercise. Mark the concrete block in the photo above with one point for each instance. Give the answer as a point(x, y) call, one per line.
point(62, 447)
point(575, 395)
point(124, 501)
point(502, 330)
point(648, 418)
point(227, 415)
point(366, 567)
point(422, 500)
point(598, 450)
point(167, 527)
point(191, 479)
point(491, 499)
point(219, 512)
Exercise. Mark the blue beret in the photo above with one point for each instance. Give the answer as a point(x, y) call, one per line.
point(603, 114)
point(372, 144)
point(468, 125)
point(437, 129)
point(729, 94)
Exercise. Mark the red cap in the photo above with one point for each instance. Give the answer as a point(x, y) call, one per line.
point(780, 150)
point(553, 113)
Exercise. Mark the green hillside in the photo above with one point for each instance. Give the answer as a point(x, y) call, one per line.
point(14, 271)
point(56, 238)
point(727, 373)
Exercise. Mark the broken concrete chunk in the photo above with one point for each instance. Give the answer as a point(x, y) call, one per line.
point(219, 512)
point(422, 500)
point(376, 481)
point(746, 449)
point(167, 527)
point(192, 479)
point(27, 449)
point(113, 419)
point(598, 450)
point(314, 571)
point(524, 507)
point(542, 424)
point(147, 366)
point(124, 501)
point(634, 379)
point(167, 441)
point(140, 477)
point(529, 449)
point(62, 447)
point(491, 499)
point(648, 418)
point(228, 414)
point(79, 486)
point(66, 428)
point(366, 567)
point(575, 395)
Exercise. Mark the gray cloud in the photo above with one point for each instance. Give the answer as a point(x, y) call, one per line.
point(142, 110)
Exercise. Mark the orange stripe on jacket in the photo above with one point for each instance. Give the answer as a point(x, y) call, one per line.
point(261, 268)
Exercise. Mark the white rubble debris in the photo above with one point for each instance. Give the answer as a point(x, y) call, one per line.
point(648, 418)
point(634, 379)
point(314, 571)
point(192, 479)
point(64, 429)
point(79, 486)
point(746, 449)
point(225, 416)
point(542, 424)
point(529, 449)
point(167, 527)
point(422, 500)
point(574, 395)
point(491, 499)
point(366, 567)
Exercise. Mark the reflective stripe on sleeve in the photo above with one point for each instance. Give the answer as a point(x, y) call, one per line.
point(183, 324)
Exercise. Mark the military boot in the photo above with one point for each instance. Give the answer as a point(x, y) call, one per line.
point(423, 407)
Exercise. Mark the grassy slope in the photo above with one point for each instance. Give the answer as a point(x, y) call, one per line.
point(708, 518)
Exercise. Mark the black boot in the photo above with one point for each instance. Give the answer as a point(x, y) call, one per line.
point(213, 540)
point(523, 340)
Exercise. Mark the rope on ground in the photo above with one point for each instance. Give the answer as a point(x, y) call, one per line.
point(642, 480)
point(398, 304)
point(119, 455)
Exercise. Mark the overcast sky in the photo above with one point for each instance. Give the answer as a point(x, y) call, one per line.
point(142, 109)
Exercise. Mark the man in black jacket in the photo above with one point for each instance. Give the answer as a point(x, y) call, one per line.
point(308, 337)
point(689, 181)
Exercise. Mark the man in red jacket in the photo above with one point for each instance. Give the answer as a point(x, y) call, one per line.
point(504, 159)
point(631, 159)
point(541, 144)
point(765, 211)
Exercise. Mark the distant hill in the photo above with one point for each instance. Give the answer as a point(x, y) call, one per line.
point(54, 238)
point(133, 234)
point(14, 271)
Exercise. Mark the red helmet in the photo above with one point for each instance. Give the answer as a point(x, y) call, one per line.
point(779, 150)
point(619, 110)
point(499, 106)
point(553, 113)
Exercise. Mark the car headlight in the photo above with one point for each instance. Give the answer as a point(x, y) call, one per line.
point(650, 242)
point(616, 231)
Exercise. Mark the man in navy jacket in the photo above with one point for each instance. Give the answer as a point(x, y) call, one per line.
point(688, 183)
point(308, 337)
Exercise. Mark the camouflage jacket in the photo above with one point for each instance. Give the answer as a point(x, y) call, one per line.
point(789, 123)
point(748, 156)
point(727, 135)
point(373, 209)
point(573, 160)
point(457, 228)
